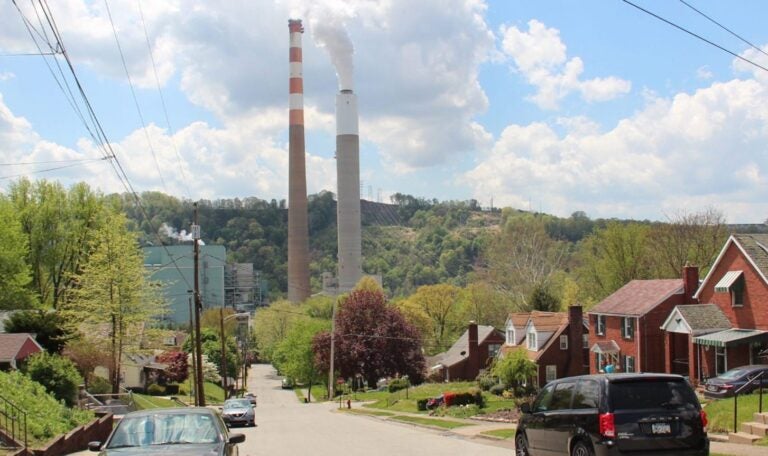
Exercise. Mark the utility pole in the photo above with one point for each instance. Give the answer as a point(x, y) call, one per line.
point(223, 354)
point(331, 382)
point(198, 305)
point(192, 347)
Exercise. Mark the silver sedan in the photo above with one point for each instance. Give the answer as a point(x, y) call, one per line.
point(238, 411)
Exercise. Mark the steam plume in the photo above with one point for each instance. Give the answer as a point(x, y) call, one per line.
point(333, 36)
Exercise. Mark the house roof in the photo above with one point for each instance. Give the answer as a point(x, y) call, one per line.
point(518, 319)
point(548, 321)
point(11, 344)
point(755, 250)
point(608, 346)
point(698, 319)
point(638, 297)
point(459, 351)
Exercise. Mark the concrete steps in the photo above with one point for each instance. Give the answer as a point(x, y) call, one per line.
point(742, 437)
point(751, 431)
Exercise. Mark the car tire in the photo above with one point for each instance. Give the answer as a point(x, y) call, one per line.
point(521, 445)
point(582, 448)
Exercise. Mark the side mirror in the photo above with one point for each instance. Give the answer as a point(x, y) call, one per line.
point(525, 407)
point(234, 439)
point(94, 446)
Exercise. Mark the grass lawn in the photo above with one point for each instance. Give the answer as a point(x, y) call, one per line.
point(214, 394)
point(501, 433)
point(144, 402)
point(429, 421)
point(358, 411)
point(720, 411)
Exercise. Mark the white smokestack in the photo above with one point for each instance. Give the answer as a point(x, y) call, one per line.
point(348, 180)
point(333, 37)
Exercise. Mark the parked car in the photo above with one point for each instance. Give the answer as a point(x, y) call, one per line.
point(614, 414)
point(178, 431)
point(727, 383)
point(251, 398)
point(238, 411)
point(287, 383)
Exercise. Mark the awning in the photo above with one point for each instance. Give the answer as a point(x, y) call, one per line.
point(724, 285)
point(731, 337)
point(605, 347)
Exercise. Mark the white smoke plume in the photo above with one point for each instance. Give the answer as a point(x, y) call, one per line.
point(331, 34)
point(172, 233)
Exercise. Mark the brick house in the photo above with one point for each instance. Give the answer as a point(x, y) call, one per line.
point(627, 324)
point(555, 341)
point(737, 285)
point(15, 348)
point(472, 352)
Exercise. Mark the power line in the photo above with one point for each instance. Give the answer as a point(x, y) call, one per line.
point(724, 27)
point(681, 28)
point(45, 162)
point(45, 170)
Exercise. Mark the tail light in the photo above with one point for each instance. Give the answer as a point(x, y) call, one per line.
point(726, 386)
point(607, 425)
point(704, 420)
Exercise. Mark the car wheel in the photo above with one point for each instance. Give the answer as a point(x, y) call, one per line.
point(521, 445)
point(582, 449)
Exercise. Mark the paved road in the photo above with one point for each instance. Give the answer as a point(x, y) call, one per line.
point(288, 427)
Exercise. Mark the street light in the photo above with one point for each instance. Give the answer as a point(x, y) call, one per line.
point(222, 319)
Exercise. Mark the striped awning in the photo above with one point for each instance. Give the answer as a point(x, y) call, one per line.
point(724, 285)
point(731, 337)
point(605, 347)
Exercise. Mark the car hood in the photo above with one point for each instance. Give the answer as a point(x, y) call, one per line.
point(197, 449)
point(235, 410)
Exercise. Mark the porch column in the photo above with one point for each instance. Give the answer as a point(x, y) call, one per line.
point(668, 352)
point(693, 361)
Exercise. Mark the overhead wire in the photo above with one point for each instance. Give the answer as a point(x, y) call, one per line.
point(45, 170)
point(757, 48)
point(681, 28)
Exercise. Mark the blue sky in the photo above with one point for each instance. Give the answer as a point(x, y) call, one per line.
point(558, 106)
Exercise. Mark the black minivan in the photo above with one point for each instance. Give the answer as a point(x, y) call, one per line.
point(614, 414)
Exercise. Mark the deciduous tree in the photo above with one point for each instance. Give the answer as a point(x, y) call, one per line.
point(51, 330)
point(295, 355)
point(15, 276)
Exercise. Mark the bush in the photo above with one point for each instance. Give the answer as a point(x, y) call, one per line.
point(486, 381)
point(156, 390)
point(421, 405)
point(397, 384)
point(99, 385)
point(172, 389)
point(57, 374)
point(497, 390)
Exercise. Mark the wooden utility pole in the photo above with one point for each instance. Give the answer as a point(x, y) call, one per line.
point(192, 347)
point(223, 354)
point(200, 391)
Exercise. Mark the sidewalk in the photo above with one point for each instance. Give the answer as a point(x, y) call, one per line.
point(474, 429)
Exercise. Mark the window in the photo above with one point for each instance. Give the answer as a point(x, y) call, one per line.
point(585, 341)
point(510, 336)
point(737, 293)
point(532, 341)
point(587, 395)
point(541, 404)
point(561, 398)
point(563, 342)
point(600, 325)
point(493, 350)
point(627, 327)
point(551, 372)
point(629, 364)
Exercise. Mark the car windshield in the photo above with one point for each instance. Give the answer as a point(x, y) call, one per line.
point(732, 374)
point(237, 403)
point(165, 429)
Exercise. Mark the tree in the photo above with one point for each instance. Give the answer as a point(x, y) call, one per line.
point(520, 258)
point(514, 369)
point(542, 299)
point(177, 369)
point(57, 373)
point(295, 355)
point(113, 291)
point(87, 353)
point(51, 330)
point(440, 304)
point(372, 339)
point(482, 304)
point(271, 325)
point(15, 274)
point(60, 225)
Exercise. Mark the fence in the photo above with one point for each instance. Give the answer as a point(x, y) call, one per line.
point(14, 421)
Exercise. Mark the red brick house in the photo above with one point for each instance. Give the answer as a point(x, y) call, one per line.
point(473, 351)
point(555, 341)
point(737, 286)
point(15, 348)
point(626, 326)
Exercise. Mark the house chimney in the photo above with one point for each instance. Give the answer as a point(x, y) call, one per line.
point(690, 283)
point(575, 341)
point(473, 362)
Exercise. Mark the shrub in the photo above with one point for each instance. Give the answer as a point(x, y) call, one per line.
point(397, 384)
point(99, 385)
point(486, 381)
point(497, 390)
point(57, 374)
point(156, 390)
point(172, 389)
point(421, 405)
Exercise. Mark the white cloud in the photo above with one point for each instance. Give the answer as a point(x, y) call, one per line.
point(541, 57)
point(695, 150)
point(6, 75)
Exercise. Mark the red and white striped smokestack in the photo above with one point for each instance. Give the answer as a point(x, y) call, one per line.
point(348, 181)
point(298, 230)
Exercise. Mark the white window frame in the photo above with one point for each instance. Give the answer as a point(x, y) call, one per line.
point(628, 327)
point(629, 363)
point(600, 325)
point(563, 342)
point(551, 372)
point(585, 341)
point(532, 342)
point(493, 350)
point(511, 336)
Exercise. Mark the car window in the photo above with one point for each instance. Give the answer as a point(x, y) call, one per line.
point(732, 374)
point(652, 393)
point(239, 403)
point(587, 395)
point(541, 404)
point(561, 398)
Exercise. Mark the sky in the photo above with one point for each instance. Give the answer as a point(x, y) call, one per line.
point(551, 106)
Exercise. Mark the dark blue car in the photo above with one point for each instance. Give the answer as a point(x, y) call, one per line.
point(744, 379)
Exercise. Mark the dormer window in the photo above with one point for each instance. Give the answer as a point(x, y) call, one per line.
point(532, 340)
point(733, 283)
point(510, 336)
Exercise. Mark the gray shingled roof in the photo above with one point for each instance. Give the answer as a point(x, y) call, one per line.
point(756, 246)
point(460, 349)
point(704, 317)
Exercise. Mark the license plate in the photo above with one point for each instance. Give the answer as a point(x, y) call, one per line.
point(661, 428)
point(711, 388)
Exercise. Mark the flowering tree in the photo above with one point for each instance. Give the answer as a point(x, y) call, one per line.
point(177, 368)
